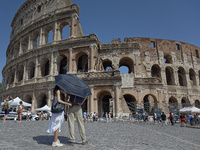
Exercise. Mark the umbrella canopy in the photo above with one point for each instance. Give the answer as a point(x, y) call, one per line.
point(44, 108)
point(73, 85)
point(16, 102)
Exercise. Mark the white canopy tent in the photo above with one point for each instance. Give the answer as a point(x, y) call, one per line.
point(190, 110)
point(16, 102)
point(44, 108)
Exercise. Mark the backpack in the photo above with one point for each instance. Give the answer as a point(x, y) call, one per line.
point(5, 105)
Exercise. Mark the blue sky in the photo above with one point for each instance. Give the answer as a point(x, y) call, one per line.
point(110, 19)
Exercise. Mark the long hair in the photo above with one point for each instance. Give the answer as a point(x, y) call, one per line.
point(55, 90)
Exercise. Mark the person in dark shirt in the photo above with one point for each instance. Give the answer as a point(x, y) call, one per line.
point(163, 118)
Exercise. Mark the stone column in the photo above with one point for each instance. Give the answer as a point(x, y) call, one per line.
point(20, 47)
point(91, 100)
point(70, 62)
point(55, 32)
point(51, 63)
point(36, 68)
point(92, 51)
point(24, 75)
point(30, 42)
point(42, 38)
point(117, 102)
point(49, 97)
point(73, 24)
point(34, 103)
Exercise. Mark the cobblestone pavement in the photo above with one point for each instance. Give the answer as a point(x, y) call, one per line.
point(31, 135)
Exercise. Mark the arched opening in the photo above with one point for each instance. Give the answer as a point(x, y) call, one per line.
point(11, 77)
point(192, 76)
point(197, 103)
point(31, 70)
point(167, 59)
point(107, 65)
point(155, 71)
point(169, 76)
point(63, 66)
point(65, 30)
point(45, 68)
point(126, 65)
point(28, 99)
point(82, 65)
point(25, 45)
point(16, 49)
point(150, 103)
point(105, 104)
point(182, 76)
point(131, 102)
point(185, 102)
point(173, 104)
point(50, 36)
point(42, 101)
point(20, 73)
point(36, 38)
point(84, 106)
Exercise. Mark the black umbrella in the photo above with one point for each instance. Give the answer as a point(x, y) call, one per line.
point(73, 85)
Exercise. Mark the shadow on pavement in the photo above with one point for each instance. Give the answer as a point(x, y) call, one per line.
point(47, 140)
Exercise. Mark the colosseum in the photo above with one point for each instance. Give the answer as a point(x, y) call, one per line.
point(162, 74)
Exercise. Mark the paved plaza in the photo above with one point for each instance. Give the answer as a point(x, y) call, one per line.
point(31, 135)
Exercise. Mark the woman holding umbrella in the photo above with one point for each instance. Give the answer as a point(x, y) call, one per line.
point(57, 119)
point(79, 91)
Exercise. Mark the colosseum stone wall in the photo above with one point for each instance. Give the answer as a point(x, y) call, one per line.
point(162, 74)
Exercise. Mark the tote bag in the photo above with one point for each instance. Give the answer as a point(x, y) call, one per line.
point(57, 107)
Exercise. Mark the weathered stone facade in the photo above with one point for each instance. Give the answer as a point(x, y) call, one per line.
point(161, 73)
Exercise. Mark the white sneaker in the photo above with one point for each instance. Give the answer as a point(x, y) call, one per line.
point(57, 144)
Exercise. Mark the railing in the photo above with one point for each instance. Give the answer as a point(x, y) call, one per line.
point(104, 74)
point(148, 80)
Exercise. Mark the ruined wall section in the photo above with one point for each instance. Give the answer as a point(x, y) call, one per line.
point(35, 10)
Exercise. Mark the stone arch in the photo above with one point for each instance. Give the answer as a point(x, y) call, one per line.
point(131, 102)
point(63, 65)
point(185, 102)
point(192, 76)
point(197, 103)
point(45, 69)
point(107, 65)
point(182, 76)
point(11, 76)
point(199, 77)
point(24, 44)
point(16, 49)
point(42, 100)
point(169, 76)
point(168, 59)
point(150, 102)
point(156, 71)
point(31, 70)
point(104, 103)
point(82, 62)
point(127, 62)
point(36, 37)
point(49, 34)
point(20, 73)
point(173, 103)
point(28, 99)
point(64, 30)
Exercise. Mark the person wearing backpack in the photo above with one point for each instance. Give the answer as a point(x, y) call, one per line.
point(171, 118)
point(6, 107)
